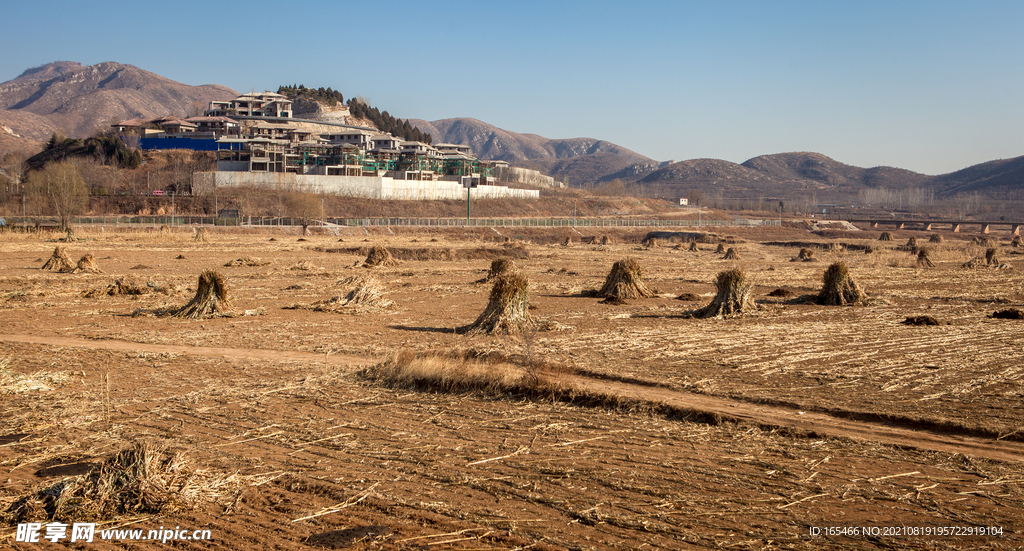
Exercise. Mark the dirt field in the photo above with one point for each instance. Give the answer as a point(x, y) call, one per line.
point(763, 431)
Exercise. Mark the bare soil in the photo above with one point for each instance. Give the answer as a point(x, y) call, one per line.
point(745, 432)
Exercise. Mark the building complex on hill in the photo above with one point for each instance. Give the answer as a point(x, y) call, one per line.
point(258, 142)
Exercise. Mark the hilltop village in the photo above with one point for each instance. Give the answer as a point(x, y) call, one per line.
point(258, 142)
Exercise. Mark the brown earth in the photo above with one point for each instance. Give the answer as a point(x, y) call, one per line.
point(744, 433)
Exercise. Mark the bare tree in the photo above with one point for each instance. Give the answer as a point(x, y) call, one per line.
point(305, 206)
point(63, 190)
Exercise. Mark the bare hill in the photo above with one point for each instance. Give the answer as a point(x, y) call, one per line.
point(1004, 177)
point(780, 175)
point(79, 99)
point(580, 160)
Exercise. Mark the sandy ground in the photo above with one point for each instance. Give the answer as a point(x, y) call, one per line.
point(748, 432)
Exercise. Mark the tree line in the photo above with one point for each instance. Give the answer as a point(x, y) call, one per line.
point(359, 109)
point(387, 123)
point(323, 95)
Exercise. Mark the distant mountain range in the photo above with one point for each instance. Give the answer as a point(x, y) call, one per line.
point(586, 161)
point(78, 99)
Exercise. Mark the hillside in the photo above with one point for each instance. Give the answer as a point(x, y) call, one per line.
point(581, 160)
point(789, 175)
point(1004, 177)
point(78, 99)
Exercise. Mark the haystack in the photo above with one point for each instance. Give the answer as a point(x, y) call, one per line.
point(1008, 314)
point(507, 310)
point(605, 240)
point(921, 320)
point(379, 256)
point(202, 235)
point(975, 262)
point(990, 257)
point(59, 261)
point(651, 243)
point(365, 293)
point(911, 244)
point(886, 236)
point(625, 281)
point(935, 238)
point(254, 261)
point(1016, 242)
point(87, 265)
point(839, 288)
point(567, 242)
point(733, 296)
point(923, 259)
point(122, 286)
point(806, 255)
point(211, 298)
point(720, 249)
point(69, 237)
point(140, 480)
point(731, 254)
point(693, 247)
point(499, 267)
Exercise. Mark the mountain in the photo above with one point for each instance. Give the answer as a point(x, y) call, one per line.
point(1004, 177)
point(580, 160)
point(800, 173)
point(781, 174)
point(79, 99)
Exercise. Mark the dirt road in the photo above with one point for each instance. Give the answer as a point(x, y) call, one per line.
point(758, 414)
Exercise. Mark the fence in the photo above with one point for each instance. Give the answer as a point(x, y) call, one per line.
point(512, 222)
point(249, 221)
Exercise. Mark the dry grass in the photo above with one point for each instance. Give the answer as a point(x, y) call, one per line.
point(806, 255)
point(365, 294)
point(40, 381)
point(247, 261)
point(140, 479)
point(86, 265)
point(122, 286)
point(449, 373)
point(306, 266)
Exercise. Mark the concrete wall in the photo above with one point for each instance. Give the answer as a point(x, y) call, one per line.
point(362, 186)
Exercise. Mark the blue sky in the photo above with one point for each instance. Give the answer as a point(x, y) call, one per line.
point(931, 86)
